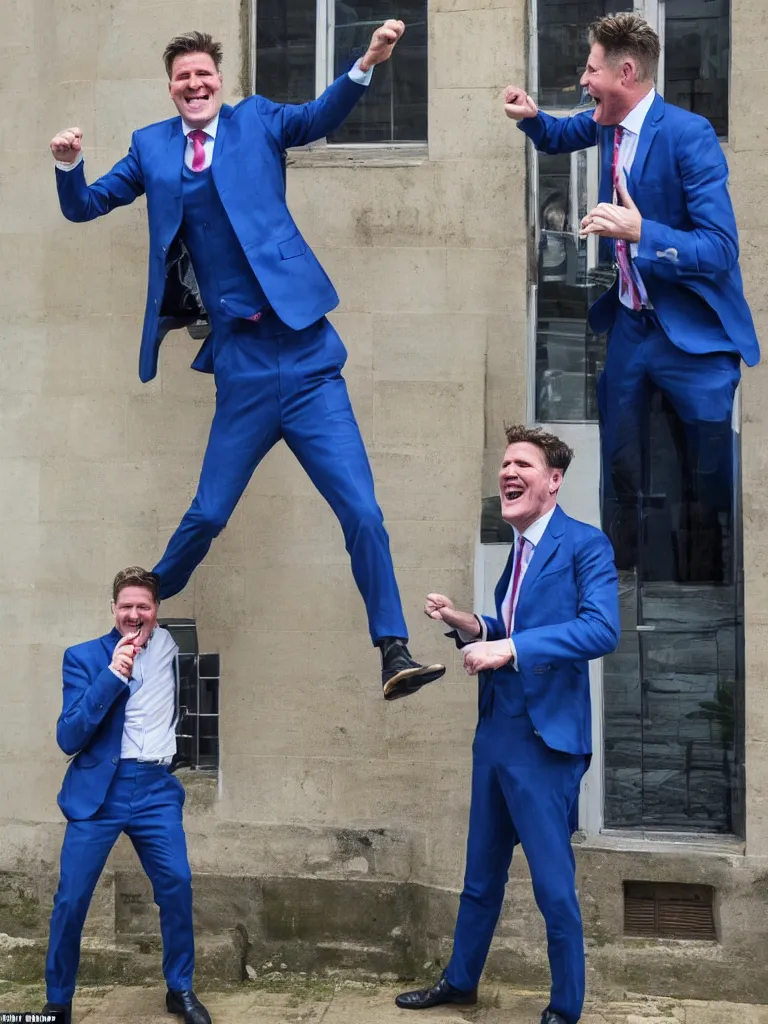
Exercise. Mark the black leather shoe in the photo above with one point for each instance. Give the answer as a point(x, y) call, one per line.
point(62, 1012)
point(187, 1005)
point(442, 992)
point(550, 1017)
point(400, 674)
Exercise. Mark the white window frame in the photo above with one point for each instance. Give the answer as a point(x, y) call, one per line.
point(580, 493)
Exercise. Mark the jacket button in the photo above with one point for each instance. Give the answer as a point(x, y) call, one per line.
point(115, 760)
point(100, 707)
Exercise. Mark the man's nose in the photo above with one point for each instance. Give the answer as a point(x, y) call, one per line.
point(584, 79)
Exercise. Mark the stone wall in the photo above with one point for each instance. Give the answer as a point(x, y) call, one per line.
point(338, 822)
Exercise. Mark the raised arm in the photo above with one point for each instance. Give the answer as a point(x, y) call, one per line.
point(299, 124)
point(549, 134)
point(86, 702)
point(82, 202)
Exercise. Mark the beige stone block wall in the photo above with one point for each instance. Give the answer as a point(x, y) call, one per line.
point(428, 253)
point(747, 143)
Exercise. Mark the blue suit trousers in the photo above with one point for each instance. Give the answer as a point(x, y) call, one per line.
point(145, 802)
point(522, 792)
point(272, 383)
point(700, 389)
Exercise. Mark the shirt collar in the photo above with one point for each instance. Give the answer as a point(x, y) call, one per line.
point(536, 530)
point(210, 129)
point(633, 122)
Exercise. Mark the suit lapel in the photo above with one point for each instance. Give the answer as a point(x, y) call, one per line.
point(171, 162)
point(545, 551)
point(109, 642)
point(503, 585)
point(219, 146)
point(648, 133)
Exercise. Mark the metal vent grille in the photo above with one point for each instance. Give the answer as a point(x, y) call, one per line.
point(663, 910)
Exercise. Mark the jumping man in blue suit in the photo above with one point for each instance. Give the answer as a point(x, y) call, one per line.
point(118, 723)
point(676, 316)
point(214, 179)
point(557, 607)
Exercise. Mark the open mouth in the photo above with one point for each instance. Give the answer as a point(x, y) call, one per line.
point(512, 493)
point(197, 102)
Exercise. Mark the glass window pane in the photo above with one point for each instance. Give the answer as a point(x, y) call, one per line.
point(285, 50)
point(395, 107)
point(673, 691)
point(569, 355)
point(563, 47)
point(696, 54)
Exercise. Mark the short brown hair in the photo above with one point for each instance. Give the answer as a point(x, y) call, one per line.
point(557, 453)
point(192, 42)
point(628, 35)
point(135, 576)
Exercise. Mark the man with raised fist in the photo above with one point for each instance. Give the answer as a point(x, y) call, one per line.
point(118, 724)
point(676, 317)
point(214, 179)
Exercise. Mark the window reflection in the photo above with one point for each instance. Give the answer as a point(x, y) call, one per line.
point(673, 691)
point(285, 54)
point(395, 107)
point(696, 50)
point(569, 355)
point(563, 47)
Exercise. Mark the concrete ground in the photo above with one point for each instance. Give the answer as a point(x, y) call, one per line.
point(357, 1003)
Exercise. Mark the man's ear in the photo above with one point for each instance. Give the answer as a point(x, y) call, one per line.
point(555, 481)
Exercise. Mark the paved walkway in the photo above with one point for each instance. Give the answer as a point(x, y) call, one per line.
point(357, 1003)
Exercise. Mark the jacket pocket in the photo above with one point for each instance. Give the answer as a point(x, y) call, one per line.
point(295, 246)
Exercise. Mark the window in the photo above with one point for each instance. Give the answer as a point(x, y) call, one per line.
point(302, 45)
point(696, 58)
point(673, 719)
point(197, 728)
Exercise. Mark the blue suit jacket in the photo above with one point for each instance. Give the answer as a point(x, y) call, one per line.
point(567, 613)
point(249, 171)
point(90, 725)
point(689, 250)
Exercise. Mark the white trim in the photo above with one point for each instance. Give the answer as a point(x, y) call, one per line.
point(324, 44)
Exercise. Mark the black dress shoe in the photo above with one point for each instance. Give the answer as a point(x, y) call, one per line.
point(187, 1005)
point(62, 1012)
point(400, 674)
point(550, 1017)
point(442, 992)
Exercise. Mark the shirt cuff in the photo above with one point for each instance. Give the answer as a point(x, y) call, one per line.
point(469, 638)
point(70, 167)
point(633, 248)
point(357, 74)
point(512, 647)
point(120, 675)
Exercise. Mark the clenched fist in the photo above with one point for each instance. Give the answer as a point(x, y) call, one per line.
point(382, 43)
point(67, 145)
point(518, 104)
point(125, 652)
point(439, 607)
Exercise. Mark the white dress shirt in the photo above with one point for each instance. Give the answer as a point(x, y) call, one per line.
point(533, 535)
point(151, 710)
point(355, 73)
point(632, 125)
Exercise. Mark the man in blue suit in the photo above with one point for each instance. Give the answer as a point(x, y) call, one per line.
point(214, 178)
point(556, 608)
point(118, 724)
point(676, 316)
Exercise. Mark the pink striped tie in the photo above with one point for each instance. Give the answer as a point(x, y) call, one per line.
point(198, 137)
point(627, 285)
